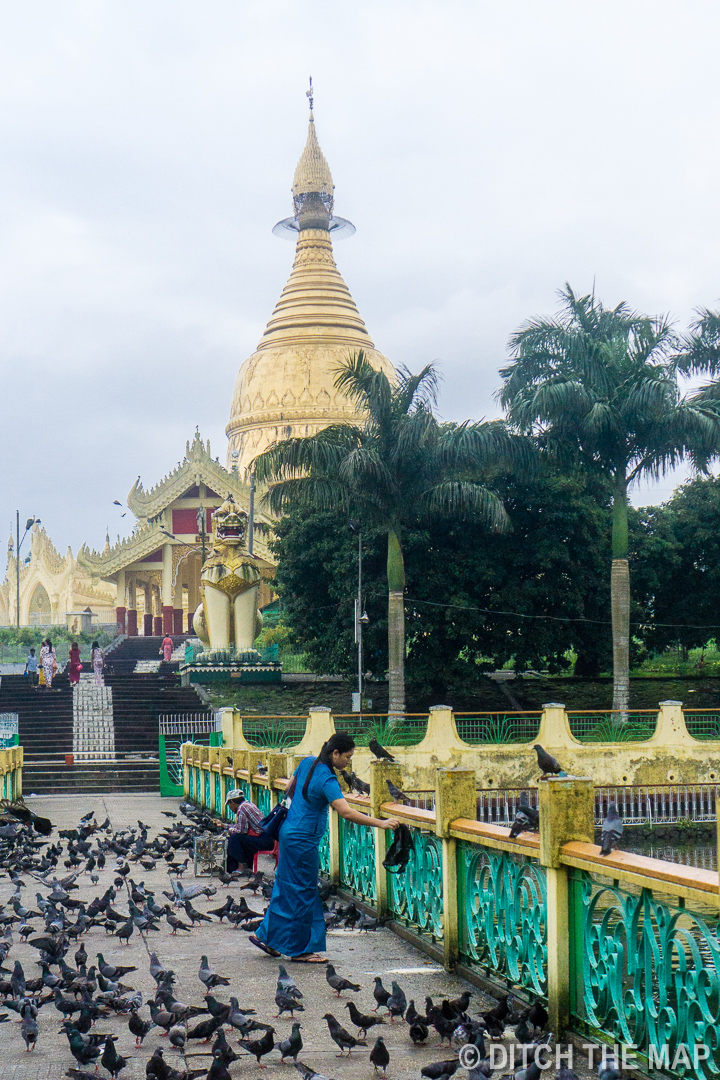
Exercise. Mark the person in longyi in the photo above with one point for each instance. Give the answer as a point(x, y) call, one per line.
point(294, 925)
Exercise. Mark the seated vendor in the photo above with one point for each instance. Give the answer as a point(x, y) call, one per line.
point(245, 836)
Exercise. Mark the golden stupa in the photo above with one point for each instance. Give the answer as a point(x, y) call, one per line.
point(287, 387)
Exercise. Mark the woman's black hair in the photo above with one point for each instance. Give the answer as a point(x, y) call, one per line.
point(340, 742)
point(48, 642)
point(94, 645)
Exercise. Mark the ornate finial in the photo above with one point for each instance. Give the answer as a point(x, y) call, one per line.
point(309, 95)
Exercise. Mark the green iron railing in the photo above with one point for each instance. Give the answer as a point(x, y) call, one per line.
point(263, 800)
point(644, 973)
point(498, 728)
point(635, 725)
point(274, 732)
point(357, 859)
point(408, 730)
point(325, 854)
point(702, 725)
point(502, 914)
point(416, 895)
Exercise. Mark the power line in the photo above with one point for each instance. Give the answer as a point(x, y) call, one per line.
point(565, 618)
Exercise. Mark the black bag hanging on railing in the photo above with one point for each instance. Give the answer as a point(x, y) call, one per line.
point(272, 823)
point(398, 854)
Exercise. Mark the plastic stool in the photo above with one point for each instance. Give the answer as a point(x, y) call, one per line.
point(274, 854)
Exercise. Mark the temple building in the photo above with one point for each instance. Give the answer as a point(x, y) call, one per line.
point(149, 583)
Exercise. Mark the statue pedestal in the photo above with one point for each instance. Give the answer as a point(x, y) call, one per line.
point(222, 665)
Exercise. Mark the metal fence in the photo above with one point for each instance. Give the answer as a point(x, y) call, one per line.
point(407, 730)
point(633, 725)
point(702, 724)
point(174, 729)
point(274, 732)
point(651, 804)
point(499, 806)
point(659, 804)
point(498, 728)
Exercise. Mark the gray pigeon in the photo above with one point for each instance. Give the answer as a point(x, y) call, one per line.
point(291, 1046)
point(612, 830)
point(29, 1031)
point(549, 765)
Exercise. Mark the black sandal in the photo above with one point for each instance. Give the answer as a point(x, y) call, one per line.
point(263, 947)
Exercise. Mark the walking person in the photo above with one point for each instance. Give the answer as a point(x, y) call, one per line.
point(75, 665)
point(48, 659)
point(294, 925)
point(246, 837)
point(31, 668)
point(167, 648)
point(96, 659)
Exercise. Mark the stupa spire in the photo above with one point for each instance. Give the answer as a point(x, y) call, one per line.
point(287, 387)
point(312, 174)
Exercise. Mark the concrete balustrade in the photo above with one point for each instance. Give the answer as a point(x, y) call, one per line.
point(525, 913)
point(670, 756)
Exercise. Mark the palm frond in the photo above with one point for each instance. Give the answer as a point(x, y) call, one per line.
point(461, 498)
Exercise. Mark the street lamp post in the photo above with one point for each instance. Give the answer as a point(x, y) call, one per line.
point(361, 620)
point(28, 525)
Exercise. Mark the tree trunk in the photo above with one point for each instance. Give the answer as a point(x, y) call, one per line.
point(620, 601)
point(396, 625)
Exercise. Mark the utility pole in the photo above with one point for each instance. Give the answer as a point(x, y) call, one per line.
point(17, 568)
point(358, 618)
point(361, 620)
point(28, 525)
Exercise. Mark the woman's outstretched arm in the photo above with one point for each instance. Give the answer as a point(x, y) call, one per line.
point(345, 810)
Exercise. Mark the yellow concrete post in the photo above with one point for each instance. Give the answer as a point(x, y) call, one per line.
point(671, 729)
point(555, 729)
point(226, 721)
point(277, 765)
point(255, 758)
point(239, 741)
point(454, 798)
point(239, 761)
point(380, 773)
point(320, 726)
point(566, 813)
point(18, 783)
point(441, 738)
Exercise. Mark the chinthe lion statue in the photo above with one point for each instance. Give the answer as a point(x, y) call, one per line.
point(228, 615)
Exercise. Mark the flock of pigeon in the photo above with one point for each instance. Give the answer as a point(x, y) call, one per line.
point(527, 818)
point(60, 927)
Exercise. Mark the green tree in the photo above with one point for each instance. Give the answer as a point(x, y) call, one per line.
point(601, 384)
point(675, 556)
point(397, 468)
point(528, 595)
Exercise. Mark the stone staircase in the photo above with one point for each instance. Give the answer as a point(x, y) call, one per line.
point(112, 731)
point(93, 724)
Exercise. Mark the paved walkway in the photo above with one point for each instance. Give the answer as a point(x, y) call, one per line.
point(252, 976)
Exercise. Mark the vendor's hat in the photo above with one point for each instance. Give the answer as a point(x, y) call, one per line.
point(235, 794)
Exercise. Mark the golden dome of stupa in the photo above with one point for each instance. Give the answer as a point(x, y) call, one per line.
point(287, 387)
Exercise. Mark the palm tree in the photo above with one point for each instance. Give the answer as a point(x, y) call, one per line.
point(601, 384)
point(396, 467)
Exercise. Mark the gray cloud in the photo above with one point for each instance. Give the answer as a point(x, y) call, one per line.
point(486, 153)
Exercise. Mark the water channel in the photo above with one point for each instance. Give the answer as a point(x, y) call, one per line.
point(690, 852)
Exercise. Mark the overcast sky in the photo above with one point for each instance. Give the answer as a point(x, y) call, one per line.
point(486, 153)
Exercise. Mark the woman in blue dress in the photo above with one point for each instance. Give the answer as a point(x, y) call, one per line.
point(294, 925)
